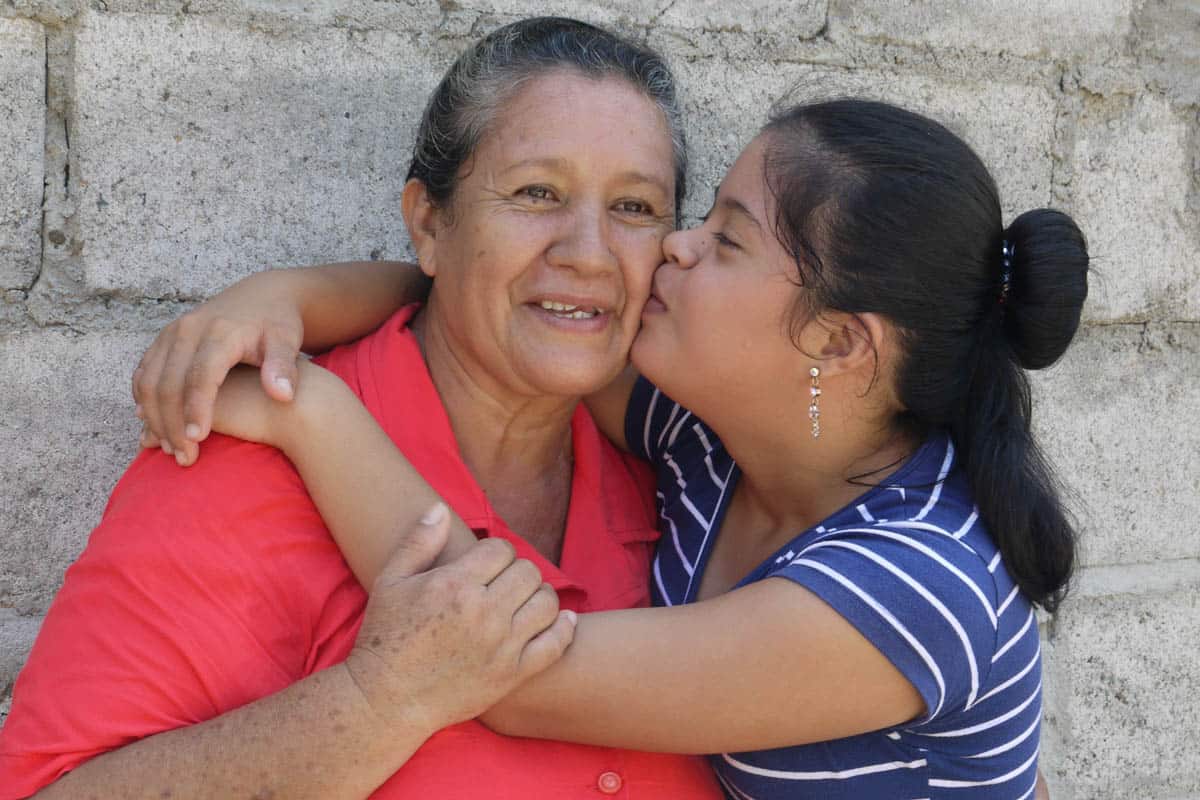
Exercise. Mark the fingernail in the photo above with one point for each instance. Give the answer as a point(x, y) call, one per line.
point(570, 615)
point(434, 515)
point(179, 458)
point(138, 412)
point(284, 384)
point(192, 431)
point(166, 448)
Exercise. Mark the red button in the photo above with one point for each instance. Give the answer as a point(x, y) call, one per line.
point(609, 783)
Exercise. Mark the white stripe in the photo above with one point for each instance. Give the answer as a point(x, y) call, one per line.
point(929, 597)
point(1004, 606)
point(1032, 663)
point(708, 462)
point(866, 515)
point(646, 425)
point(887, 534)
point(662, 434)
point(891, 620)
point(995, 562)
point(942, 473)
point(1004, 748)
point(687, 503)
point(675, 468)
point(708, 529)
point(1032, 789)
point(991, 723)
point(966, 526)
point(1015, 638)
point(824, 775)
point(658, 578)
point(737, 793)
point(687, 565)
point(1008, 776)
point(678, 428)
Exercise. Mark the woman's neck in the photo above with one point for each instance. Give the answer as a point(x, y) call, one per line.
point(517, 447)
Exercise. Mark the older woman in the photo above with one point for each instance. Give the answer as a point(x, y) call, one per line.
point(211, 636)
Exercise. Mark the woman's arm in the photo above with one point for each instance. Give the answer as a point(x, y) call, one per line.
point(264, 320)
point(763, 666)
point(436, 647)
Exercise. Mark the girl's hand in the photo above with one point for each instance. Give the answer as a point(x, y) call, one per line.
point(256, 321)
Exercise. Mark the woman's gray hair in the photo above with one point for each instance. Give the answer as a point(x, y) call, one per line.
point(488, 75)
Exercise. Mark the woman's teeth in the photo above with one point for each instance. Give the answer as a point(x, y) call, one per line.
point(569, 311)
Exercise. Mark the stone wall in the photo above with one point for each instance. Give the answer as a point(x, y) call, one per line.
point(152, 151)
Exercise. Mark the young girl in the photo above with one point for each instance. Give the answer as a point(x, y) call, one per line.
point(856, 520)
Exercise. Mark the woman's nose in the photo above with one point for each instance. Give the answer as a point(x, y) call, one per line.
point(585, 246)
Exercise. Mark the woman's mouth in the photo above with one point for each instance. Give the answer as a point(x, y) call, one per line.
point(568, 311)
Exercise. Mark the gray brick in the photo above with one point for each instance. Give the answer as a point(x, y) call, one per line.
point(801, 18)
point(1118, 418)
point(1133, 171)
point(16, 637)
point(727, 103)
point(205, 152)
point(1127, 717)
point(22, 148)
point(1020, 27)
point(66, 433)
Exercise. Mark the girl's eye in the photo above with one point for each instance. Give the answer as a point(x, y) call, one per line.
point(725, 241)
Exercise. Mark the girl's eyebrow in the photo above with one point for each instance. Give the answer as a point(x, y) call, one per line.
point(735, 207)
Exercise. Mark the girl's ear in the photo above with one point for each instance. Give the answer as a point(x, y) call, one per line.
point(848, 342)
point(422, 218)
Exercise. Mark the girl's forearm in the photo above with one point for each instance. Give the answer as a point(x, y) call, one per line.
point(341, 302)
point(366, 490)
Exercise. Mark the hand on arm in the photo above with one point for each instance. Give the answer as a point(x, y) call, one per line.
point(263, 320)
point(436, 647)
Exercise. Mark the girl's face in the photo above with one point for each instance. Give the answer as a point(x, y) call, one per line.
point(715, 333)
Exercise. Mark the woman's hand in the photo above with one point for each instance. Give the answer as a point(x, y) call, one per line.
point(256, 321)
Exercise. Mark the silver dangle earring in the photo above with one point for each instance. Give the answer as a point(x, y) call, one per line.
point(814, 408)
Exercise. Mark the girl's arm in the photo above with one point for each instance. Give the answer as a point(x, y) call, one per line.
point(763, 666)
point(264, 320)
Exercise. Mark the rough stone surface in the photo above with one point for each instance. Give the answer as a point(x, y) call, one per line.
point(1127, 662)
point(204, 153)
point(22, 124)
point(66, 433)
point(727, 103)
point(1117, 417)
point(16, 637)
point(802, 18)
point(1133, 174)
point(1024, 27)
point(151, 151)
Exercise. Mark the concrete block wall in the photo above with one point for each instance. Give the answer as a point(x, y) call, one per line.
point(151, 151)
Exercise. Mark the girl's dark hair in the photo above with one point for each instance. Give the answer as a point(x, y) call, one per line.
point(485, 77)
point(887, 212)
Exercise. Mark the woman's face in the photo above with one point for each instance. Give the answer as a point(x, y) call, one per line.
point(543, 261)
point(715, 332)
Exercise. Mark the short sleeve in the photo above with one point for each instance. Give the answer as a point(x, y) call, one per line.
point(184, 605)
point(648, 419)
point(921, 597)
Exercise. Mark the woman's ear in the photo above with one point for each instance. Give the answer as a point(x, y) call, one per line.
point(421, 217)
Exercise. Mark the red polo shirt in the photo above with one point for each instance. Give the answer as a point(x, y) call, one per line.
point(204, 589)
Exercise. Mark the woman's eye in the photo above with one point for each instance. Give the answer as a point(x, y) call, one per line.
point(538, 192)
point(635, 207)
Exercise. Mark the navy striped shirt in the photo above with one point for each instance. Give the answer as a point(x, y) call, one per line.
point(912, 568)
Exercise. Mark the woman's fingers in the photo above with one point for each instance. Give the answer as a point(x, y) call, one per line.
point(548, 646)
